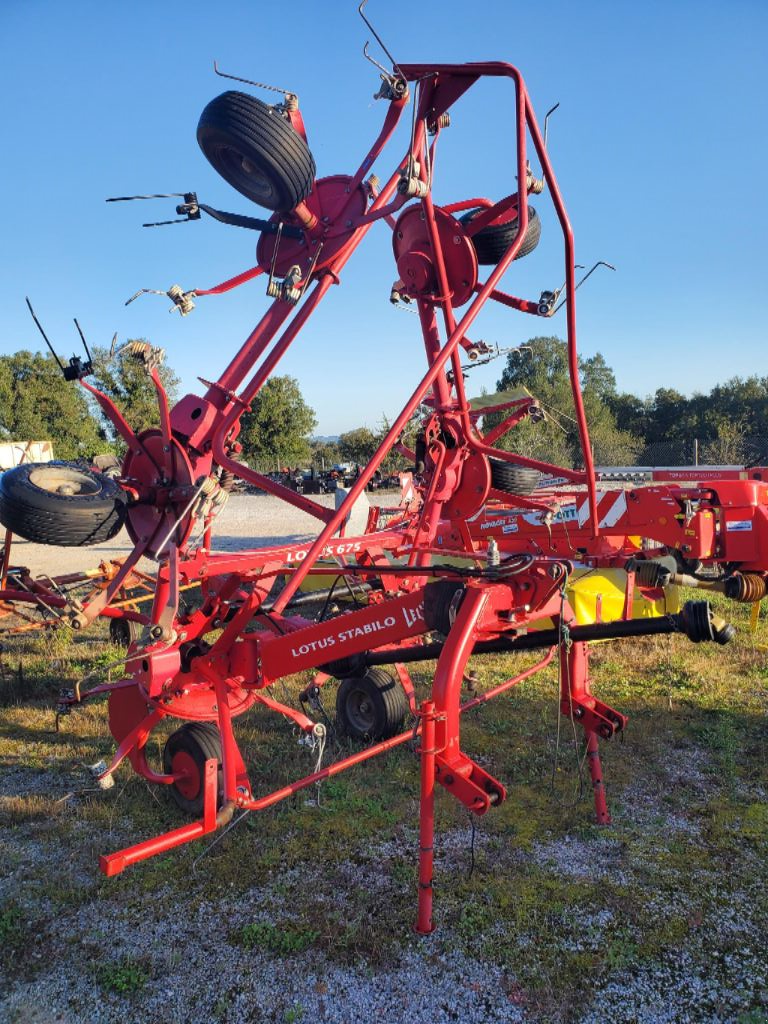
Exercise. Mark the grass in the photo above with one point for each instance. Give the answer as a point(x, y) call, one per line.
point(284, 939)
point(124, 977)
point(557, 905)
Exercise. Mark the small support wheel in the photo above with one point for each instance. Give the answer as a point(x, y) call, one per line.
point(372, 706)
point(492, 242)
point(505, 476)
point(186, 752)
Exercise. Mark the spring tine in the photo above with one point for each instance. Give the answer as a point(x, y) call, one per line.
point(600, 263)
point(377, 37)
point(247, 81)
point(546, 121)
point(160, 223)
point(82, 338)
point(45, 336)
point(274, 255)
point(143, 291)
point(311, 271)
point(159, 195)
point(375, 63)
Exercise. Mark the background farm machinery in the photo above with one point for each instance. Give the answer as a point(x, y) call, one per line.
point(469, 564)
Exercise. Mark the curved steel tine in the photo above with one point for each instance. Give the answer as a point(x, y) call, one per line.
point(45, 336)
point(546, 121)
point(375, 63)
point(600, 263)
point(247, 81)
point(379, 40)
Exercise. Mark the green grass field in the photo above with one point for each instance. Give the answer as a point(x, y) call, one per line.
point(569, 917)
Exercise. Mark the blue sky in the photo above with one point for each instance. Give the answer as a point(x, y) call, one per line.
point(659, 147)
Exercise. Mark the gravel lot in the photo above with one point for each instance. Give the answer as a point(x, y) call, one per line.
point(76, 960)
point(247, 521)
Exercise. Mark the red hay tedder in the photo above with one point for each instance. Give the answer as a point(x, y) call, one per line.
point(517, 552)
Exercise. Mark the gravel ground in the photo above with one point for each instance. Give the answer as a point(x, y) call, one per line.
point(194, 972)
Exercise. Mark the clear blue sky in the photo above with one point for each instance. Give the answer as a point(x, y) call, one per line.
point(660, 148)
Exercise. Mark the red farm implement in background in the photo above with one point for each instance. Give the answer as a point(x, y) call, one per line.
point(433, 569)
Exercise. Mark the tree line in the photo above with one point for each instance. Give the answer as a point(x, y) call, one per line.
point(625, 428)
point(36, 404)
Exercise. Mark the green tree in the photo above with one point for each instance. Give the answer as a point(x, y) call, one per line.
point(633, 413)
point(395, 461)
point(125, 380)
point(358, 445)
point(37, 404)
point(276, 430)
point(597, 377)
point(729, 447)
point(325, 454)
point(541, 366)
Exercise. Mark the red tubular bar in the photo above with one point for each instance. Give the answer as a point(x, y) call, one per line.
point(232, 282)
point(424, 922)
point(503, 687)
point(602, 814)
point(525, 117)
point(114, 863)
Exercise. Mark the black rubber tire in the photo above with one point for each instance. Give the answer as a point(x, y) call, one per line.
point(201, 741)
point(442, 599)
point(256, 151)
point(124, 632)
point(61, 503)
point(372, 706)
point(492, 242)
point(516, 479)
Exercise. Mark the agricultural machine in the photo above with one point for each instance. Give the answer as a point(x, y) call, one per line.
point(473, 562)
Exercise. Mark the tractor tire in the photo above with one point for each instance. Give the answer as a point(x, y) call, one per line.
point(61, 503)
point(515, 479)
point(256, 151)
point(493, 241)
point(372, 706)
point(189, 748)
point(124, 632)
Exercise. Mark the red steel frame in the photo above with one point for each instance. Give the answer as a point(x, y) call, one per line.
point(165, 469)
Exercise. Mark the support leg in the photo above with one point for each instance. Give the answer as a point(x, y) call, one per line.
point(424, 922)
point(602, 814)
point(577, 695)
